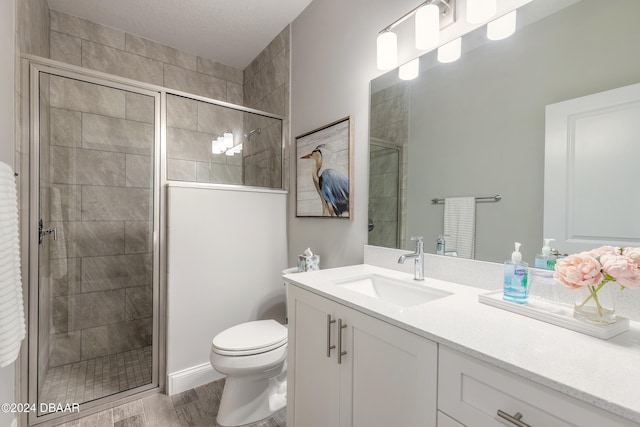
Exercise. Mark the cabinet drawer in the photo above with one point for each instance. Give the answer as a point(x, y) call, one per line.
point(446, 421)
point(472, 392)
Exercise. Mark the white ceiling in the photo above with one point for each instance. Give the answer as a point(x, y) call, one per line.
point(232, 32)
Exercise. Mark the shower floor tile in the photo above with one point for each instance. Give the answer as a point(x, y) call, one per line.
point(95, 378)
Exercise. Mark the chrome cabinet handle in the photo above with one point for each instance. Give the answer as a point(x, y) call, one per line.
point(329, 346)
point(513, 419)
point(341, 353)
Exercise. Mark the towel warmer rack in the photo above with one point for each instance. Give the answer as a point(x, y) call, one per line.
point(495, 198)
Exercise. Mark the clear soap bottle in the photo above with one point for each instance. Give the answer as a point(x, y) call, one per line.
point(440, 245)
point(516, 275)
point(545, 259)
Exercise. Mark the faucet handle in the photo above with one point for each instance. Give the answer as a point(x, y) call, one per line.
point(418, 238)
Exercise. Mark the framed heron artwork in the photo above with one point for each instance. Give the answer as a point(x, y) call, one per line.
point(324, 171)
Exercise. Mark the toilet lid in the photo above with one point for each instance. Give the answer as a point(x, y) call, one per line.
point(256, 336)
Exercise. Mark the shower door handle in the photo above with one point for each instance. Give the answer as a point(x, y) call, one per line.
point(45, 231)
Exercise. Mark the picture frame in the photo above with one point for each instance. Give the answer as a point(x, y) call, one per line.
point(324, 171)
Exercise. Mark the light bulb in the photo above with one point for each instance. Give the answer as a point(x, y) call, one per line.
point(410, 70)
point(387, 46)
point(427, 20)
point(451, 51)
point(479, 11)
point(502, 27)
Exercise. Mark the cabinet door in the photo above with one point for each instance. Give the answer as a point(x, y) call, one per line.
point(312, 378)
point(393, 375)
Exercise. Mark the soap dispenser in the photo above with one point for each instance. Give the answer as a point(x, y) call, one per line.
point(546, 259)
point(516, 274)
point(440, 244)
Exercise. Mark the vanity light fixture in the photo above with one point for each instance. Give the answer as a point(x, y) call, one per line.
point(502, 27)
point(479, 11)
point(410, 70)
point(451, 51)
point(387, 45)
point(430, 17)
point(427, 26)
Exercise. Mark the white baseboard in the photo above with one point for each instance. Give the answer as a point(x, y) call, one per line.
point(192, 377)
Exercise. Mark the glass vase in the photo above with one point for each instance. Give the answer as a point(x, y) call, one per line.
point(596, 304)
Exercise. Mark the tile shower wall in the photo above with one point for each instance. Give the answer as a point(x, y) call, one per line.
point(100, 201)
point(389, 123)
point(266, 88)
point(88, 44)
point(191, 126)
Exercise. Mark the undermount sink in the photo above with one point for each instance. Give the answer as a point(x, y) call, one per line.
point(392, 291)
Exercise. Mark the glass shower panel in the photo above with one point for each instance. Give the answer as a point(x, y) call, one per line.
point(198, 151)
point(95, 324)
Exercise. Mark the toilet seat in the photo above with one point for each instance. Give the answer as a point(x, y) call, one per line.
point(250, 338)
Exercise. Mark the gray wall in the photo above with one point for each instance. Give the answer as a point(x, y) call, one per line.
point(476, 126)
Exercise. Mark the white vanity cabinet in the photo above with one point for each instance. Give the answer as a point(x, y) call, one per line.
point(472, 392)
point(384, 377)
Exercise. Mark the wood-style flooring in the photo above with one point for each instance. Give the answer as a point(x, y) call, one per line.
point(197, 407)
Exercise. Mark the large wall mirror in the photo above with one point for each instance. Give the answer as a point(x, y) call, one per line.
point(476, 127)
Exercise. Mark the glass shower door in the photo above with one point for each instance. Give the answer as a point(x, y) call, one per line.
point(96, 255)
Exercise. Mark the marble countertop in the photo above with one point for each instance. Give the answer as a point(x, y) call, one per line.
point(604, 373)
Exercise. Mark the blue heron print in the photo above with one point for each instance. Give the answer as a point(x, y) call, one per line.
point(331, 185)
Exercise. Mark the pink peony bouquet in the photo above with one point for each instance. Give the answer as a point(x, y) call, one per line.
point(600, 266)
point(596, 268)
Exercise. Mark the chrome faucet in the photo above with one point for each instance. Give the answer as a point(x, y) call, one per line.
point(418, 257)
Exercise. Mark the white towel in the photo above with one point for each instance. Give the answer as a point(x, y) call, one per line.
point(12, 324)
point(460, 225)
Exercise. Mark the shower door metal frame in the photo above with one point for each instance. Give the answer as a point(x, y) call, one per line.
point(32, 68)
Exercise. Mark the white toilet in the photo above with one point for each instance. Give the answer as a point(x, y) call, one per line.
point(253, 357)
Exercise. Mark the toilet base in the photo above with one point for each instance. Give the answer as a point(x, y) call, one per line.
point(248, 399)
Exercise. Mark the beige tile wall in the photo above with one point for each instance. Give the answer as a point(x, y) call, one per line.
point(191, 126)
point(266, 88)
point(88, 44)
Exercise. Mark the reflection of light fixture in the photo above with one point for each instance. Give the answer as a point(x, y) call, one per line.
point(410, 70)
point(430, 17)
point(224, 145)
point(480, 10)
point(427, 26)
point(228, 139)
point(502, 27)
point(451, 51)
point(387, 44)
